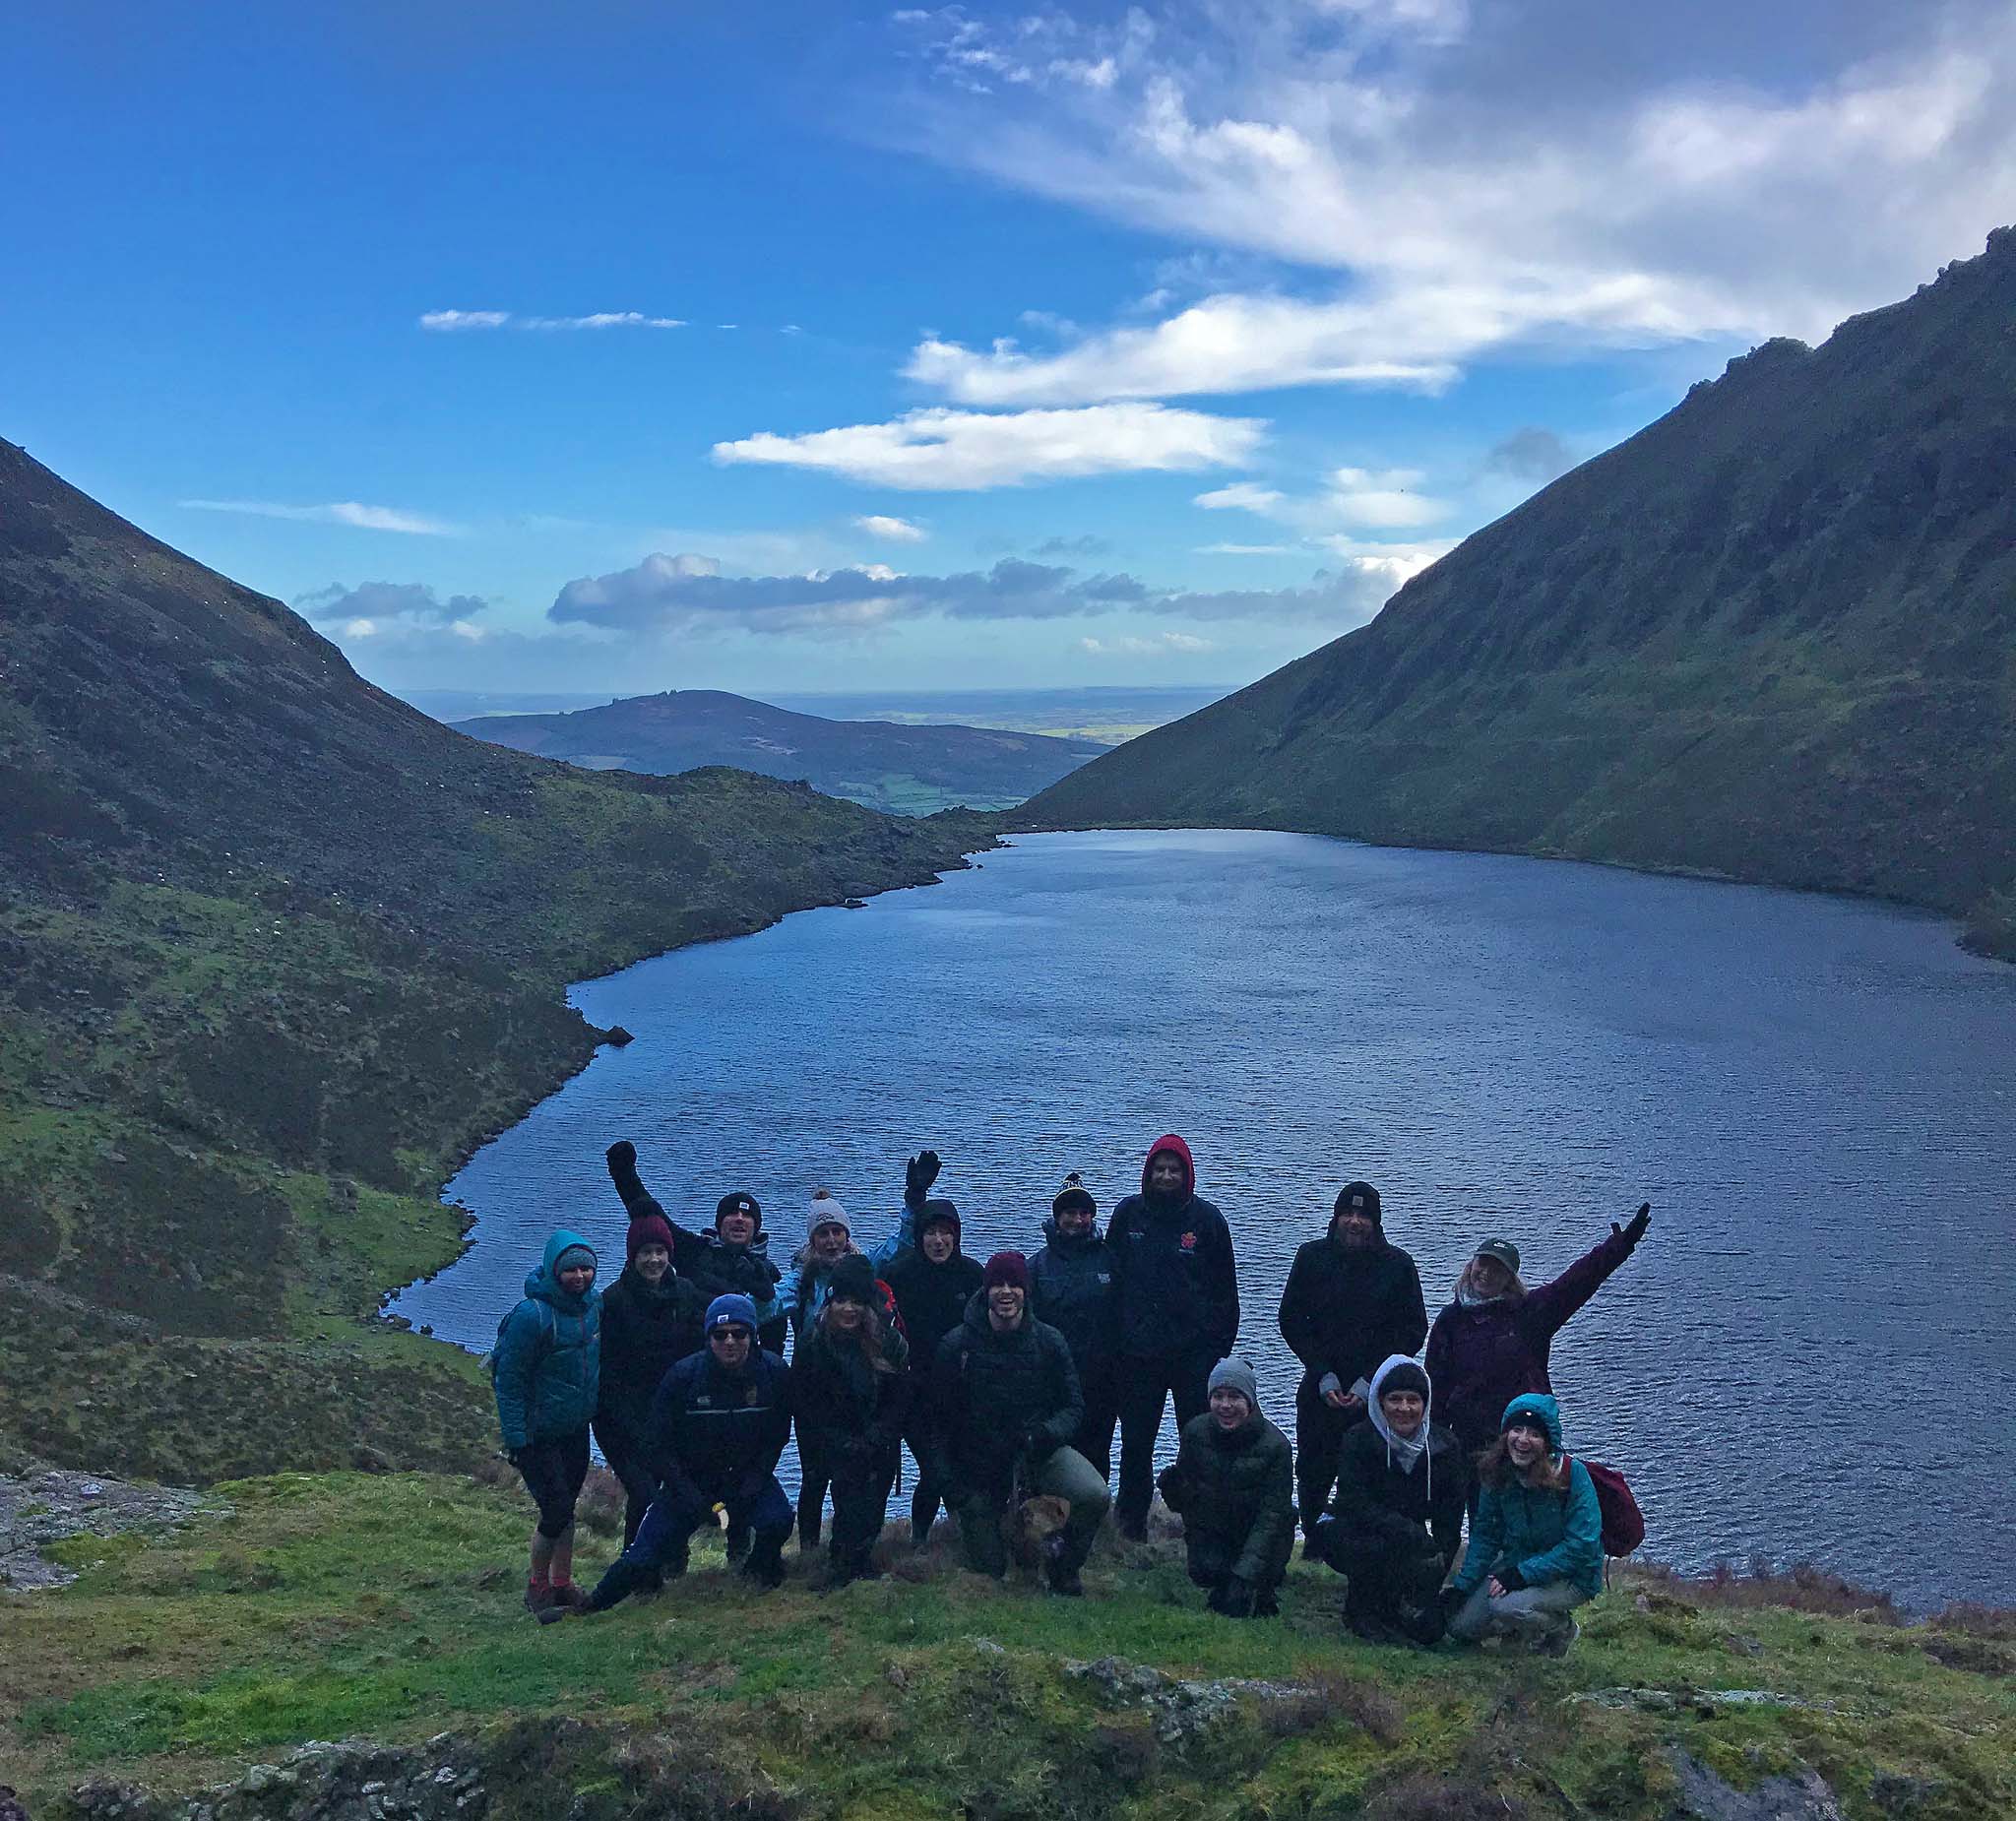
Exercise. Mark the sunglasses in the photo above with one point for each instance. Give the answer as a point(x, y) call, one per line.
point(729, 1334)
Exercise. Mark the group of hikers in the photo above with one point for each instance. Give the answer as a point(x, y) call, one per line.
point(1008, 1381)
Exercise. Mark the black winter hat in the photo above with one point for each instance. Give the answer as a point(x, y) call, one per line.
point(736, 1203)
point(1357, 1195)
point(938, 1213)
point(853, 1277)
point(1407, 1377)
point(1074, 1194)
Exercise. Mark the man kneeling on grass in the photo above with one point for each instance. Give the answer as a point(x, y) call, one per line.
point(1233, 1485)
point(721, 1419)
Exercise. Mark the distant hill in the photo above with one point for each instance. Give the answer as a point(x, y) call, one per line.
point(906, 769)
point(277, 950)
point(1771, 637)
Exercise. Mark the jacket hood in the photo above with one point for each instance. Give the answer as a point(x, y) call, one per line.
point(1536, 1403)
point(544, 1283)
point(1169, 1141)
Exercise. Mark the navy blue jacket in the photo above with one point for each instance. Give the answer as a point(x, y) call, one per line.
point(716, 1436)
point(1071, 1287)
point(1176, 1287)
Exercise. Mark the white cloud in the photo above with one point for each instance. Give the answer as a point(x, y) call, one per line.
point(1525, 176)
point(1132, 647)
point(1245, 550)
point(892, 530)
point(952, 450)
point(339, 512)
point(452, 321)
point(1240, 496)
point(1385, 499)
point(373, 605)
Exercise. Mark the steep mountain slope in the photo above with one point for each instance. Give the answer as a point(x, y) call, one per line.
point(274, 949)
point(1772, 635)
point(904, 770)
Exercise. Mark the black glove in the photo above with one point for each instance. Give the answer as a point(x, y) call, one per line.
point(1171, 1488)
point(1509, 1577)
point(918, 1175)
point(519, 1456)
point(1634, 1228)
point(622, 1159)
point(1234, 1598)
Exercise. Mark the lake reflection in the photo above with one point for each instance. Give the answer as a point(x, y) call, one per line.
point(1808, 1356)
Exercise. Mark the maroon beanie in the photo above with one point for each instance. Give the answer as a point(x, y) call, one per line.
point(1007, 1268)
point(647, 1229)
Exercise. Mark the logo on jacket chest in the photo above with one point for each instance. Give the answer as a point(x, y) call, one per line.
point(1187, 1246)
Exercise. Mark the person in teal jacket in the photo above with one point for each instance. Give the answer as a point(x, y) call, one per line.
point(1536, 1549)
point(547, 1372)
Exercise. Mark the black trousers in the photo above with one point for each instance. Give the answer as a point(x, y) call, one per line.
point(860, 1502)
point(1394, 1583)
point(1142, 1388)
point(552, 1469)
point(1319, 1435)
point(626, 1458)
point(815, 1474)
point(1095, 1439)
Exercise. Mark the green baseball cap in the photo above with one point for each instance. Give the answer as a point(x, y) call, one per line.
point(1504, 1251)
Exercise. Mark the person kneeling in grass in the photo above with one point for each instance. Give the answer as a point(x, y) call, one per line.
point(718, 1424)
point(1536, 1548)
point(1233, 1485)
point(1397, 1518)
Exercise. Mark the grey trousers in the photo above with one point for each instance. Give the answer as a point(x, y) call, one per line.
point(1529, 1611)
point(1066, 1475)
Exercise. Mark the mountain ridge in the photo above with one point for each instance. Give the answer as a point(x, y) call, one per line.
point(1771, 637)
point(892, 766)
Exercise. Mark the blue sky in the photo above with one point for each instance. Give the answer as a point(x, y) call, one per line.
point(782, 347)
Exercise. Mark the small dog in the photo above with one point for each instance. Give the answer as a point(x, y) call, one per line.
point(1035, 1531)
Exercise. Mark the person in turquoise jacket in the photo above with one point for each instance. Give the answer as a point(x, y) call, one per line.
point(1536, 1549)
point(547, 1372)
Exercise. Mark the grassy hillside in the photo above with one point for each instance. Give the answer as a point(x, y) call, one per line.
point(177, 1663)
point(901, 769)
point(1772, 637)
point(276, 951)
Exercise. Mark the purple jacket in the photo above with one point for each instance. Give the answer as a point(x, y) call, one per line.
point(1479, 1359)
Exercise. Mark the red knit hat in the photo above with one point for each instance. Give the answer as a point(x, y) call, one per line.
point(647, 1229)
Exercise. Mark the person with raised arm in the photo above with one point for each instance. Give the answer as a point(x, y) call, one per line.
point(1353, 1299)
point(933, 1283)
point(1493, 1340)
point(1177, 1302)
point(1071, 1287)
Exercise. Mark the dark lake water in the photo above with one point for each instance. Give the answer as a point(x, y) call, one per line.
point(1811, 1356)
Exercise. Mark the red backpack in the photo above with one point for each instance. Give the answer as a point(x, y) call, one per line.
point(1623, 1524)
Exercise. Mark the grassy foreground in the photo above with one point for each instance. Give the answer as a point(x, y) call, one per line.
point(330, 1606)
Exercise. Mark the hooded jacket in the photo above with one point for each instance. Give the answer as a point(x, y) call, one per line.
point(716, 1436)
point(1381, 1499)
point(931, 1299)
point(1548, 1535)
point(547, 1361)
point(1176, 1287)
point(998, 1396)
point(841, 1405)
point(1071, 1287)
point(1346, 1310)
point(1236, 1496)
point(647, 1330)
point(1483, 1355)
point(705, 1259)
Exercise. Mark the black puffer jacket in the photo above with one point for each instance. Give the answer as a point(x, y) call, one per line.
point(1236, 1495)
point(844, 1407)
point(1177, 1286)
point(1376, 1499)
point(1071, 1287)
point(646, 1332)
point(931, 1299)
point(1001, 1396)
point(1345, 1311)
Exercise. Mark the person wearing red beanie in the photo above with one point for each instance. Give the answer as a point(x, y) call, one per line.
point(651, 1320)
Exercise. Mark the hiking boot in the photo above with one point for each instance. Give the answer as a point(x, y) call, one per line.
point(1065, 1581)
point(538, 1597)
point(1266, 1603)
point(764, 1567)
point(1556, 1639)
point(1134, 1529)
point(569, 1595)
point(737, 1544)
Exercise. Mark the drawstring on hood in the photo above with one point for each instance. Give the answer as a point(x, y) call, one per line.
point(1410, 1448)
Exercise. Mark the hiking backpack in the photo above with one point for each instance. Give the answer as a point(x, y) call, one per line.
point(1623, 1524)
